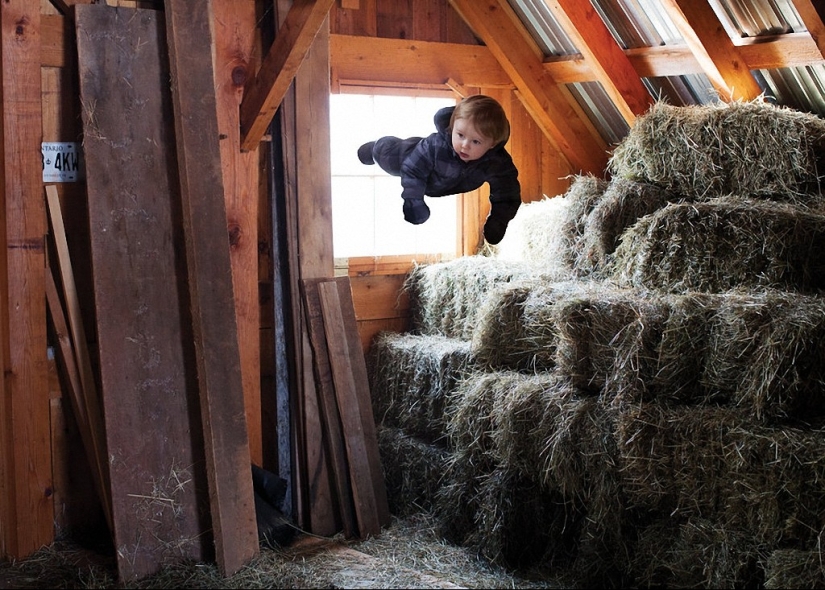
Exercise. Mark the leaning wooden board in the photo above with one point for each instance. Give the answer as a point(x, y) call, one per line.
point(150, 399)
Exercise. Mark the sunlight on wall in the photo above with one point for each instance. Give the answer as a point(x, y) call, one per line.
point(367, 216)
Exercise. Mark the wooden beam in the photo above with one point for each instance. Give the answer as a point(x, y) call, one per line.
point(189, 35)
point(713, 48)
point(266, 90)
point(401, 60)
point(812, 14)
point(551, 106)
point(235, 61)
point(26, 508)
point(373, 61)
point(607, 60)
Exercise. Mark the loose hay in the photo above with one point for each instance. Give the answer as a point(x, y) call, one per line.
point(794, 568)
point(721, 245)
point(743, 148)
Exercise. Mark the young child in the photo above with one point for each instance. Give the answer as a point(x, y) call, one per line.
point(466, 151)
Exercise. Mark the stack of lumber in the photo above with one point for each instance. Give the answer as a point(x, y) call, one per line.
point(630, 389)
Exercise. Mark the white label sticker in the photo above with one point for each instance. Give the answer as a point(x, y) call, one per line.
point(61, 161)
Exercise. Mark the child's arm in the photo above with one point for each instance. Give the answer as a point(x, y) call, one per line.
point(505, 199)
point(414, 173)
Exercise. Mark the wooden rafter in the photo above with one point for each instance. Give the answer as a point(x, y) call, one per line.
point(265, 92)
point(606, 59)
point(550, 105)
point(714, 49)
point(812, 14)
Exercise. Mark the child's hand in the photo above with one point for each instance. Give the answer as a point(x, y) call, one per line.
point(416, 212)
point(494, 230)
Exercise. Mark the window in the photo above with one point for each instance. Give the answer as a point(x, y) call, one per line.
point(367, 217)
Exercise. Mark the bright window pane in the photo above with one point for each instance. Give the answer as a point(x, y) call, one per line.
point(367, 216)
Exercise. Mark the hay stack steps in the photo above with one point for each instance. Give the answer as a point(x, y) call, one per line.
point(630, 387)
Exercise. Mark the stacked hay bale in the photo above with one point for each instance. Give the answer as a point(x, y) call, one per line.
point(644, 404)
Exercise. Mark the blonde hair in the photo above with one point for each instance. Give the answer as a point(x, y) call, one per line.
point(486, 114)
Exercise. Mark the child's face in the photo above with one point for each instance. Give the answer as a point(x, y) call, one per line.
point(468, 143)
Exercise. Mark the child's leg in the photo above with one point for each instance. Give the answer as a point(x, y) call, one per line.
point(389, 152)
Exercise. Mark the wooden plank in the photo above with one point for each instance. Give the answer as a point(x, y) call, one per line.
point(26, 509)
point(311, 245)
point(91, 439)
point(235, 61)
point(215, 329)
point(268, 88)
point(89, 410)
point(333, 434)
point(362, 390)
point(156, 459)
point(366, 508)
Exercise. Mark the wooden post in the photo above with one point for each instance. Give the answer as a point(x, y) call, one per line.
point(26, 508)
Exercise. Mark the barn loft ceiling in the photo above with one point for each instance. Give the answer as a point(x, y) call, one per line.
point(584, 70)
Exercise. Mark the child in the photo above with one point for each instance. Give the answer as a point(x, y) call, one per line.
point(466, 151)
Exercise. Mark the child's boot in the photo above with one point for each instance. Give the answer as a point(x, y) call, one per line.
point(365, 153)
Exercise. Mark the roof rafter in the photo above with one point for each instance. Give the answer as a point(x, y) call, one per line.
point(812, 15)
point(551, 106)
point(264, 93)
point(713, 48)
point(607, 60)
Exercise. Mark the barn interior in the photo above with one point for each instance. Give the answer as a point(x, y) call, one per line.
point(625, 391)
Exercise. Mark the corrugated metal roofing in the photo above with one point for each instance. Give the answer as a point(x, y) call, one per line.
point(645, 23)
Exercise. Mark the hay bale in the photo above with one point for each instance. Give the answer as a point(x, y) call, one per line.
point(607, 337)
point(411, 377)
point(547, 233)
point(695, 553)
point(536, 236)
point(765, 354)
point(795, 568)
point(412, 469)
point(445, 296)
point(622, 204)
point(683, 351)
point(723, 244)
point(743, 148)
point(517, 327)
point(518, 522)
point(716, 464)
point(592, 332)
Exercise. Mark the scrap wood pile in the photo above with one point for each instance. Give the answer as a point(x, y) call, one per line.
point(630, 388)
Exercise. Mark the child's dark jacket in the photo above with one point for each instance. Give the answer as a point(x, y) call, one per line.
point(434, 169)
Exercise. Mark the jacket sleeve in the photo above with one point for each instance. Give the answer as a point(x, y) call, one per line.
point(505, 189)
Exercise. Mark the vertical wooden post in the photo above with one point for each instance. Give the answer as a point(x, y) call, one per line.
point(26, 508)
point(235, 62)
